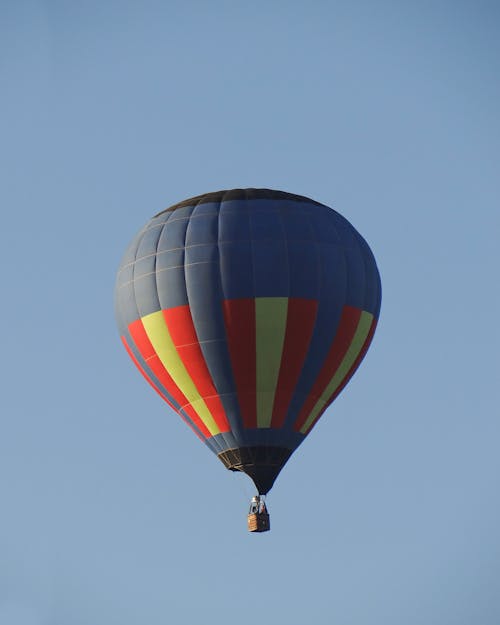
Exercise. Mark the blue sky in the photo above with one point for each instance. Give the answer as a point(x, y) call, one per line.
point(112, 511)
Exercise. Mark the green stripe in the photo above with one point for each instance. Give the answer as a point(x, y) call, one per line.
point(270, 321)
point(359, 338)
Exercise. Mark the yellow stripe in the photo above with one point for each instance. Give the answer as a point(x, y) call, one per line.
point(364, 325)
point(270, 322)
point(157, 331)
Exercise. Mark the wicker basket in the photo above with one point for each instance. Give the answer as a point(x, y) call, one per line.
point(258, 522)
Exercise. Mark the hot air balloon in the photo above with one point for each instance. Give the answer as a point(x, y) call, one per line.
point(248, 311)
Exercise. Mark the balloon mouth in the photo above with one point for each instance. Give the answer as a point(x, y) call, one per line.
point(261, 464)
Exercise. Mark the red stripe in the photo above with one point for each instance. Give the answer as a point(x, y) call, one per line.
point(180, 325)
point(149, 381)
point(349, 374)
point(301, 316)
point(345, 333)
point(146, 350)
point(239, 317)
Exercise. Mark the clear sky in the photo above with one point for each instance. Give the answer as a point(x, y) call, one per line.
point(111, 510)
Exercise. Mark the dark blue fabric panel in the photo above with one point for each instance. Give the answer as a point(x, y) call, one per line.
point(344, 228)
point(372, 282)
point(331, 302)
point(325, 224)
point(356, 278)
point(297, 224)
point(304, 267)
point(239, 206)
point(236, 269)
point(170, 278)
point(206, 209)
point(146, 295)
point(171, 285)
point(256, 205)
point(145, 292)
point(333, 275)
point(205, 303)
point(145, 261)
point(202, 277)
point(363, 277)
point(203, 253)
point(270, 265)
point(225, 441)
point(202, 228)
point(256, 437)
point(203, 268)
point(149, 243)
point(266, 225)
point(167, 259)
point(162, 246)
point(162, 218)
point(234, 223)
point(346, 237)
point(174, 234)
point(229, 400)
point(203, 291)
point(144, 266)
point(181, 213)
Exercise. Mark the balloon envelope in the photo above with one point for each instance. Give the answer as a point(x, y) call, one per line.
point(248, 311)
